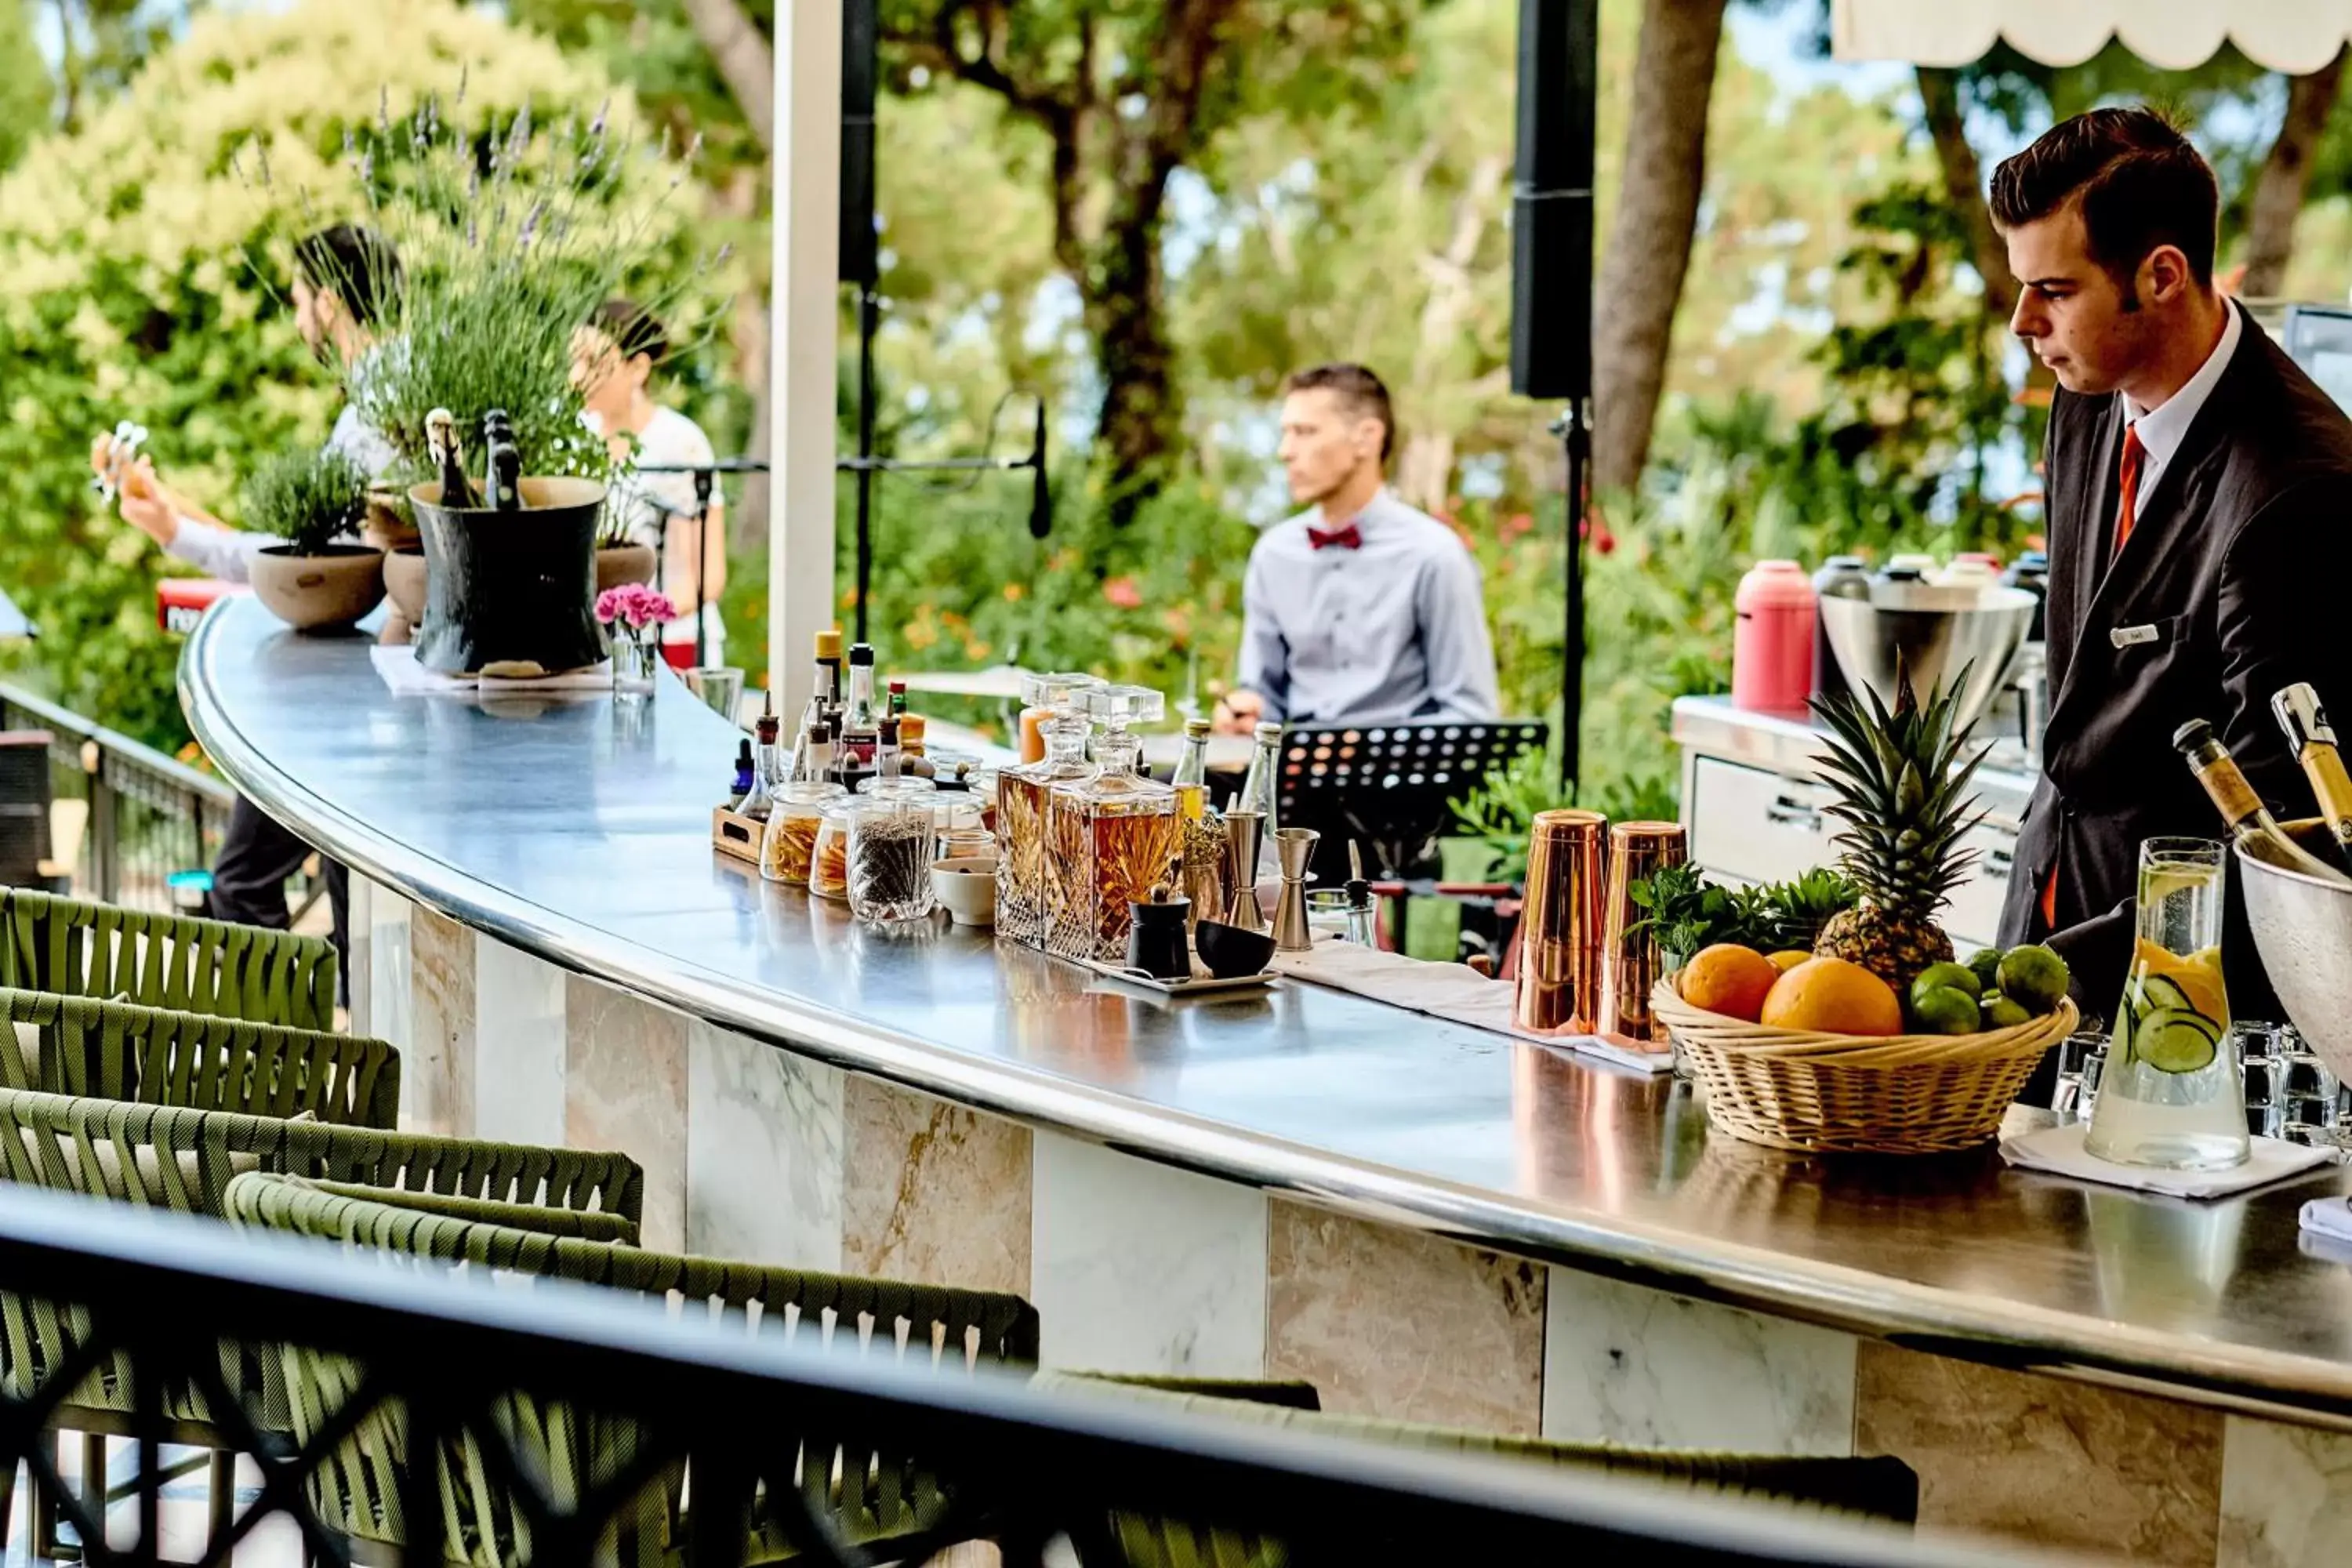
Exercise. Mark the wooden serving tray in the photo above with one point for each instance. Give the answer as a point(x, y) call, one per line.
point(734, 835)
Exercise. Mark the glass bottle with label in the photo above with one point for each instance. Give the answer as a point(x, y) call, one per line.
point(1021, 798)
point(861, 722)
point(1109, 838)
point(1260, 789)
point(1203, 830)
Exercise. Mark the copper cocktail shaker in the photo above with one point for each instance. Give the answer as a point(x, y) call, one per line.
point(1629, 959)
point(1560, 929)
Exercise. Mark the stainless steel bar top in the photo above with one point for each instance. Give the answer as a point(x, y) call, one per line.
point(562, 829)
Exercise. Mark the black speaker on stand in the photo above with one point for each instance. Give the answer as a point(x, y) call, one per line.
point(1551, 279)
point(859, 263)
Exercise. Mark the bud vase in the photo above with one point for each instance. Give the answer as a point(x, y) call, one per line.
point(635, 654)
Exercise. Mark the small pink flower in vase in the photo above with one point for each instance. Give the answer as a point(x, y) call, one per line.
point(633, 616)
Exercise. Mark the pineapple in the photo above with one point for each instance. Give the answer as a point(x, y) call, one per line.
point(1903, 794)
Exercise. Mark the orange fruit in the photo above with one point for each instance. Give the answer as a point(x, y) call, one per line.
point(1728, 979)
point(1833, 998)
point(1788, 959)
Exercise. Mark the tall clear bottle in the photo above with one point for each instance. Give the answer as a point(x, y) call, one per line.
point(1021, 799)
point(1110, 837)
point(1260, 789)
point(1191, 779)
point(769, 776)
point(860, 738)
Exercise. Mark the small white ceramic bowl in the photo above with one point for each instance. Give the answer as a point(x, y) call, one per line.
point(967, 888)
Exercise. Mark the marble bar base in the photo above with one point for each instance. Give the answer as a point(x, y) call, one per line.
point(753, 1152)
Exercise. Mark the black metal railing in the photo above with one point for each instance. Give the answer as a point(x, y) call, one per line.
point(191, 1314)
point(145, 815)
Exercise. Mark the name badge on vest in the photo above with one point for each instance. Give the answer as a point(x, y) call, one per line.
point(2131, 636)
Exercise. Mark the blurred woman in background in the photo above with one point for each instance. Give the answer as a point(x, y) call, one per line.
point(613, 357)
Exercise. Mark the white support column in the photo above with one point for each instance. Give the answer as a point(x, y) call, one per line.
point(807, 313)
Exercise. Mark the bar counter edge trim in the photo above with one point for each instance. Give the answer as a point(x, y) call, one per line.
point(2307, 1390)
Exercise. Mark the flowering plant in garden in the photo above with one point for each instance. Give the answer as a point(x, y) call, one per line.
point(635, 606)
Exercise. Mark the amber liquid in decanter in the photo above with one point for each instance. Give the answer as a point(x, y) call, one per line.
point(1110, 839)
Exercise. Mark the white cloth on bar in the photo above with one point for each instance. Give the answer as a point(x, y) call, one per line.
point(1454, 992)
point(399, 670)
point(2330, 1217)
point(2060, 1150)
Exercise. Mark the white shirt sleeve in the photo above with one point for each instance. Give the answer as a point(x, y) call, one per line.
point(224, 553)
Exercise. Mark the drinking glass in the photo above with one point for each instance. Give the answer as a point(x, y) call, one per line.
point(720, 687)
point(2170, 1096)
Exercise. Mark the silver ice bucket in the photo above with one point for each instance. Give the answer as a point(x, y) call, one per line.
point(1938, 632)
point(2302, 928)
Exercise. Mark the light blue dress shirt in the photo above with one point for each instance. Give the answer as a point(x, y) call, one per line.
point(1391, 631)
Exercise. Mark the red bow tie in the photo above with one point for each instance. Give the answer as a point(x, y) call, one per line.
point(1345, 536)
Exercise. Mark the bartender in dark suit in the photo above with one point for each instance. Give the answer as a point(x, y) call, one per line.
point(2200, 513)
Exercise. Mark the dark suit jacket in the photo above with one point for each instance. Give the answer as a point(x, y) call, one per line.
point(2238, 561)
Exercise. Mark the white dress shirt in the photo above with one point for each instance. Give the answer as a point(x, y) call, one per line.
point(1391, 631)
point(2162, 428)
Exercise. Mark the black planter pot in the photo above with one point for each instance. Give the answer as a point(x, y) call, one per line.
point(513, 592)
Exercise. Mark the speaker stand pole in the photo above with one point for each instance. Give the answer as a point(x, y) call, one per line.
point(1576, 438)
point(870, 311)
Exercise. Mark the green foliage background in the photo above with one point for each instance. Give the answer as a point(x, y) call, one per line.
point(127, 289)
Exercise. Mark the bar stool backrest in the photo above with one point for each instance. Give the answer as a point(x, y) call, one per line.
point(83, 949)
point(876, 1493)
point(114, 1050)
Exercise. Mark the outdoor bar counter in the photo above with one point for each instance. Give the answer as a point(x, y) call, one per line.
point(1428, 1221)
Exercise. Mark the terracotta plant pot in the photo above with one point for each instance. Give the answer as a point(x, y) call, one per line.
point(385, 527)
point(318, 593)
point(511, 592)
point(404, 575)
point(618, 565)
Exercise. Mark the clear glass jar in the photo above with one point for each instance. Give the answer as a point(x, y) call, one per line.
point(788, 843)
point(890, 860)
point(829, 863)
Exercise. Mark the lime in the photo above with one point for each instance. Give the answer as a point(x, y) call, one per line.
point(2034, 977)
point(2171, 1040)
point(1985, 964)
point(1958, 976)
point(1946, 1010)
point(2000, 1012)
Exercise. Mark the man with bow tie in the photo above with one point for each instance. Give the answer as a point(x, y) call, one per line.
point(1360, 609)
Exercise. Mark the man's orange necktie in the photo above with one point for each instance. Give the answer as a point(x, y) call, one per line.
point(2134, 457)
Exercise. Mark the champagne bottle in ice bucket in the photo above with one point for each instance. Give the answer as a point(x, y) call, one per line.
point(2170, 1096)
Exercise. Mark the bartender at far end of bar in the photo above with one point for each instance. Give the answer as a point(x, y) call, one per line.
point(2200, 513)
point(1360, 609)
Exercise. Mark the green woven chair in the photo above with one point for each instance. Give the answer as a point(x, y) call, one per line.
point(81, 948)
point(183, 1159)
point(1879, 1489)
point(869, 1492)
point(114, 1050)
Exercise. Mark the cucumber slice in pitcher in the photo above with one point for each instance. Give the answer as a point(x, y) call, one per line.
point(2176, 1040)
point(2156, 991)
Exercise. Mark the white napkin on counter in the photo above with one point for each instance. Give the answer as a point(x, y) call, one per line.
point(1454, 992)
point(2060, 1150)
point(399, 669)
point(2330, 1217)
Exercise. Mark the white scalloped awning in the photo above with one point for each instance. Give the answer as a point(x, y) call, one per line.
point(2296, 36)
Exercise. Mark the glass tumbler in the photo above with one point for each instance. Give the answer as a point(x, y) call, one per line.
point(2170, 1096)
point(890, 860)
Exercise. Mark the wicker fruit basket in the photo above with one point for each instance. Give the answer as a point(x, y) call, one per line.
point(1894, 1094)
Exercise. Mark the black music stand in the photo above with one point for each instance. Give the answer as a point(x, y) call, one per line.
point(1392, 786)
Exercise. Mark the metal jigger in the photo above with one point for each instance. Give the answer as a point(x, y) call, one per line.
point(1242, 845)
point(1295, 846)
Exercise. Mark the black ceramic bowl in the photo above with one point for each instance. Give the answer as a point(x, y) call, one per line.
point(1232, 952)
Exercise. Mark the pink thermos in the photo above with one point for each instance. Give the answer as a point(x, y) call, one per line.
point(1772, 649)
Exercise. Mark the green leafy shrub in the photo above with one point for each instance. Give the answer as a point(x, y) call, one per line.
point(307, 496)
point(128, 289)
